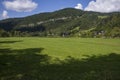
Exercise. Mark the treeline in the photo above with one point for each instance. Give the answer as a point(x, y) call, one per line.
point(115, 33)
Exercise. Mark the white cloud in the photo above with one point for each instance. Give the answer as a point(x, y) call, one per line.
point(104, 6)
point(20, 5)
point(5, 14)
point(79, 6)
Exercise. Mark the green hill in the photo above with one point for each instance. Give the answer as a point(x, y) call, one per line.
point(68, 22)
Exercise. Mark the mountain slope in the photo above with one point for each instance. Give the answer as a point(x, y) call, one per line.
point(65, 22)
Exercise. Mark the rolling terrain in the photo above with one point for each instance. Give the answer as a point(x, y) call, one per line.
point(67, 44)
point(68, 22)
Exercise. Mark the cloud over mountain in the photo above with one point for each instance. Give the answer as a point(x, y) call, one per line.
point(5, 14)
point(79, 6)
point(104, 6)
point(20, 5)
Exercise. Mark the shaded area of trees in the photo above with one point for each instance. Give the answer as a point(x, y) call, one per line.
point(30, 64)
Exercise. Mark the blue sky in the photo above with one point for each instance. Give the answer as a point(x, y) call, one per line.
point(44, 6)
point(21, 8)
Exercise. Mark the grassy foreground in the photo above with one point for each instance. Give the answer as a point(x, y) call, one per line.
point(59, 59)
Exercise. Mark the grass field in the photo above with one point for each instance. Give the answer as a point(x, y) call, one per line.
point(59, 59)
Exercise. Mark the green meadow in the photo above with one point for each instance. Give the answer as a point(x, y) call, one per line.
point(33, 58)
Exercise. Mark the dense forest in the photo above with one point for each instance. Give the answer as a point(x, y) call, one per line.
point(68, 22)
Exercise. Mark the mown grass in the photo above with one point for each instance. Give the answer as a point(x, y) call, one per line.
point(63, 47)
point(59, 59)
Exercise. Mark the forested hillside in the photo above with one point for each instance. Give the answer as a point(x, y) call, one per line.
point(68, 22)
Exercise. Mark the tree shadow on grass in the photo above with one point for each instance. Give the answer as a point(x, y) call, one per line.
point(9, 42)
point(27, 64)
point(16, 63)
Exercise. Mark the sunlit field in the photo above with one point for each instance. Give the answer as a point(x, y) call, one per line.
point(63, 47)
